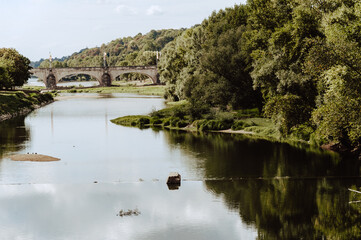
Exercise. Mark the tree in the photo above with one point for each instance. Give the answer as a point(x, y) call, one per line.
point(5, 81)
point(16, 65)
point(338, 116)
point(209, 65)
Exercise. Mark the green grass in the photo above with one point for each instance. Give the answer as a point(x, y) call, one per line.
point(11, 102)
point(34, 88)
point(131, 121)
point(156, 90)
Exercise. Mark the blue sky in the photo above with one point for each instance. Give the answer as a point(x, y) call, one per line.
point(37, 27)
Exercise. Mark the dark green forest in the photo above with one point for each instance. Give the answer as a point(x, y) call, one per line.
point(298, 61)
point(127, 51)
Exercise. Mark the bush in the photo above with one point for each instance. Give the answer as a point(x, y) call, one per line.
point(213, 125)
point(239, 125)
point(143, 121)
point(166, 122)
point(173, 121)
point(224, 116)
point(199, 123)
point(20, 95)
point(248, 113)
point(287, 111)
point(156, 121)
point(182, 123)
point(302, 131)
point(179, 112)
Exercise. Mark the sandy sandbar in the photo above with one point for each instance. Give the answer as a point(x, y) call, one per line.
point(33, 158)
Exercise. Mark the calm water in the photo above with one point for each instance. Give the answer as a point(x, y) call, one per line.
point(35, 82)
point(233, 187)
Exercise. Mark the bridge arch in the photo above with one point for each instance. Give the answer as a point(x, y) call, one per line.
point(150, 71)
point(144, 74)
point(59, 77)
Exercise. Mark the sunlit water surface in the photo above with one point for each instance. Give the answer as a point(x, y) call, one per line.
point(233, 187)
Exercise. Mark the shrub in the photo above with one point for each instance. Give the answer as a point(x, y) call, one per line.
point(302, 131)
point(155, 121)
point(20, 95)
point(248, 113)
point(173, 121)
point(179, 112)
point(213, 125)
point(166, 122)
point(287, 111)
point(239, 125)
point(182, 123)
point(143, 121)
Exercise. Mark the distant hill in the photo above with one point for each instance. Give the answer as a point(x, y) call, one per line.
point(126, 51)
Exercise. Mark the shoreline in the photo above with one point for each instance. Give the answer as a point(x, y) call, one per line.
point(21, 102)
point(22, 111)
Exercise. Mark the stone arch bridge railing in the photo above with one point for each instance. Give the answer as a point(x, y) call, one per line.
point(104, 75)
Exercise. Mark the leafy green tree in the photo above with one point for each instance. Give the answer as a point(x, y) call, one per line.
point(337, 116)
point(17, 66)
point(208, 65)
point(5, 81)
point(283, 111)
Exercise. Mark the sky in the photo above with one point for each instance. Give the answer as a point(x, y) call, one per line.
point(37, 27)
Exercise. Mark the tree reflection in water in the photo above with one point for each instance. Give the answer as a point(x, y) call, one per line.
point(13, 135)
point(286, 192)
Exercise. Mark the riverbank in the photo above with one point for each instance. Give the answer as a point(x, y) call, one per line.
point(18, 103)
point(176, 117)
point(246, 122)
point(145, 89)
point(154, 90)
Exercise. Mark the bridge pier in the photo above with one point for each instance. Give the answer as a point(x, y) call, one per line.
point(106, 80)
point(50, 81)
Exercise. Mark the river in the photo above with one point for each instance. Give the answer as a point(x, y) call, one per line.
point(34, 82)
point(233, 187)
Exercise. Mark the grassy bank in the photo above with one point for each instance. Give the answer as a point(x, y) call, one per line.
point(176, 116)
point(14, 103)
point(155, 90)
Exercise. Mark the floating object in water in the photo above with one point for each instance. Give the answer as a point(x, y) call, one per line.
point(174, 181)
point(134, 212)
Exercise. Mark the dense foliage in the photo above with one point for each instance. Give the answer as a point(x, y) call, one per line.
point(14, 68)
point(126, 51)
point(297, 60)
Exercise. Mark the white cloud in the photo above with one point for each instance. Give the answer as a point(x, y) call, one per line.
point(126, 10)
point(154, 10)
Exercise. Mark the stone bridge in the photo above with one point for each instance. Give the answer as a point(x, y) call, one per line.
point(104, 75)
